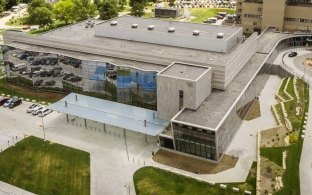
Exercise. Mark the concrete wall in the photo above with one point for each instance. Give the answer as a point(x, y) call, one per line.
point(195, 92)
point(298, 12)
point(273, 14)
point(243, 55)
point(250, 23)
point(203, 88)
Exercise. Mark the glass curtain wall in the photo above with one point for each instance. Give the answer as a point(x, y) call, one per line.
point(195, 141)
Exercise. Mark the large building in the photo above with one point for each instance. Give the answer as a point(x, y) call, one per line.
point(193, 82)
point(284, 15)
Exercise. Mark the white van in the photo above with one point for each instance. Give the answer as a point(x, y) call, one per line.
point(18, 67)
point(212, 20)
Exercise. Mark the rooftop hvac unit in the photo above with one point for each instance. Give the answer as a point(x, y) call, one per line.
point(220, 35)
point(195, 32)
point(171, 29)
point(150, 27)
point(134, 26)
point(114, 23)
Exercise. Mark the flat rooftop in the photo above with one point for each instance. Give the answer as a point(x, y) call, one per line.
point(211, 112)
point(184, 71)
point(77, 38)
point(111, 113)
point(181, 28)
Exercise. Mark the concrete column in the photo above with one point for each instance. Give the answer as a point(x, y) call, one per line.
point(67, 118)
point(145, 138)
point(85, 122)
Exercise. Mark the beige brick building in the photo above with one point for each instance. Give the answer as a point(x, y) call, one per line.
point(285, 15)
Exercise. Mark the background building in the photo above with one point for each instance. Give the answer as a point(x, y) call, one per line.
point(285, 15)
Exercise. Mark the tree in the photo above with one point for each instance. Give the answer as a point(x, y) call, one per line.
point(83, 9)
point(63, 10)
point(108, 10)
point(38, 3)
point(137, 8)
point(41, 16)
point(10, 3)
point(2, 5)
point(122, 4)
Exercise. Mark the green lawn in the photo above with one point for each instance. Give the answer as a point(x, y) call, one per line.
point(18, 21)
point(150, 180)
point(202, 14)
point(273, 154)
point(46, 168)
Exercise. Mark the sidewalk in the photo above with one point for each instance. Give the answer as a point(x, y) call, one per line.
point(7, 189)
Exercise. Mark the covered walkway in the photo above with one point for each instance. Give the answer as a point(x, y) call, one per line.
point(111, 113)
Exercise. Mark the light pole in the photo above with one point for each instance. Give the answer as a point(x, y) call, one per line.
point(43, 128)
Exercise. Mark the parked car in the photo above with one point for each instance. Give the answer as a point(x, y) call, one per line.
point(38, 82)
point(36, 110)
point(44, 112)
point(15, 102)
point(74, 79)
point(33, 106)
point(49, 83)
point(7, 103)
point(68, 76)
point(3, 100)
point(292, 54)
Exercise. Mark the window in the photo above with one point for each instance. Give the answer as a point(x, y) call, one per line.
point(181, 99)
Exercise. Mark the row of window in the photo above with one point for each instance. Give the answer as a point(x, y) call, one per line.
point(252, 16)
point(301, 20)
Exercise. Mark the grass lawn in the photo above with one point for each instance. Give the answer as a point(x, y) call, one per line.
point(46, 168)
point(150, 180)
point(202, 14)
point(22, 21)
point(273, 154)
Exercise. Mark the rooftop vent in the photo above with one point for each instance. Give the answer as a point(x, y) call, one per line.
point(195, 32)
point(220, 35)
point(171, 29)
point(150, 27)
point(114, 23)
point(134, 26)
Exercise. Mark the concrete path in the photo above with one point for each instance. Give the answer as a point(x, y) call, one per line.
point(245, 141)
point(7, 189)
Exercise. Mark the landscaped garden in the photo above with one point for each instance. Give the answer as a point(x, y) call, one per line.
point(280, 155)
point(43, 167)
point(151, 180)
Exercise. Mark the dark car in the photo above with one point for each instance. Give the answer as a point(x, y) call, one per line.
point(68, 76)
point(3, 100)
point(74, 79)
point(56, 73)
point(292, 54)
point(49, 83)
point(15, 102)
point(38, 82)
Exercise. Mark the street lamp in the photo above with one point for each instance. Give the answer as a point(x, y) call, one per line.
point(43, 128)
